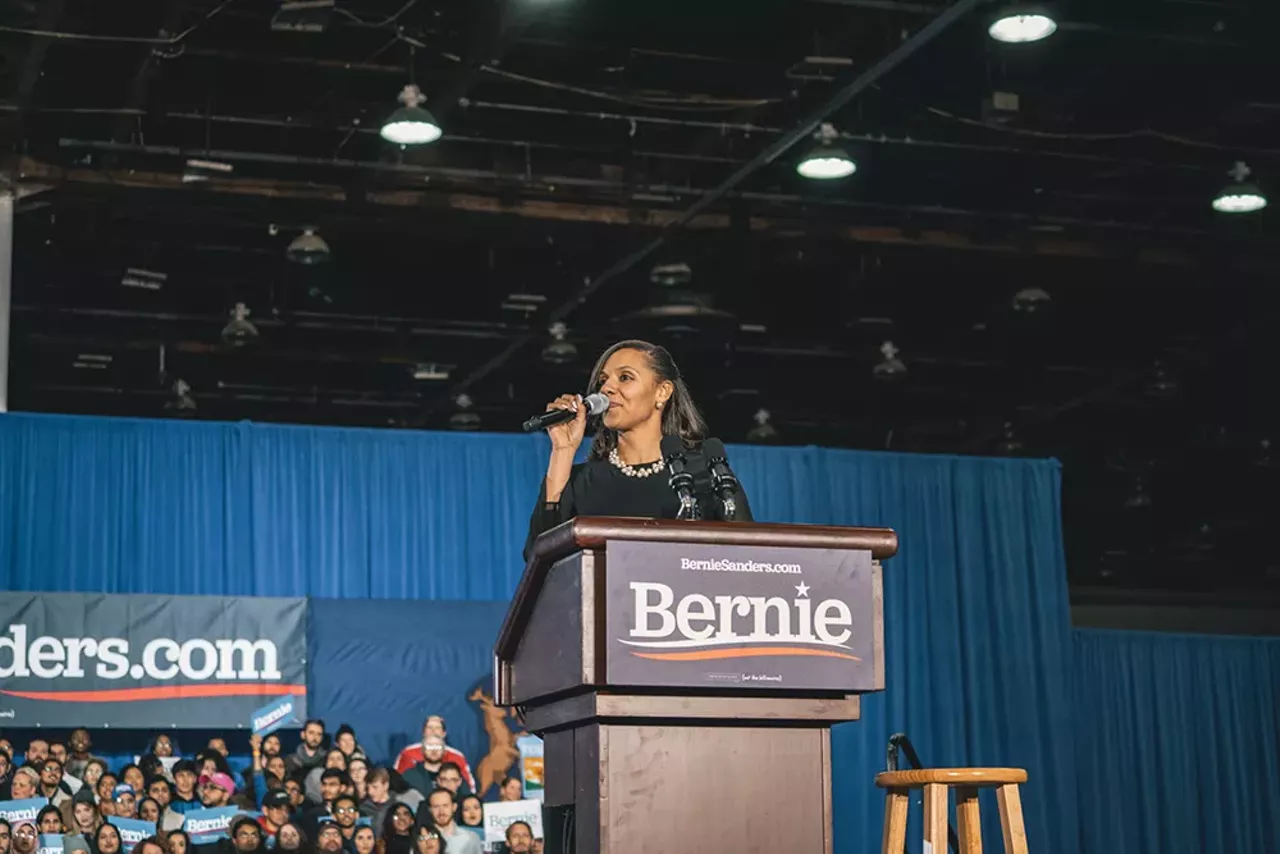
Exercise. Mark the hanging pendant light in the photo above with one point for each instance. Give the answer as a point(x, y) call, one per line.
point(1241, 195)
point(411, 124)
point(1022, 23)
point(827, 160)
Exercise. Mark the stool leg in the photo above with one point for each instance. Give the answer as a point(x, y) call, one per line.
point(968, 821)
point(935, 818)
point(895, 821)
point(1015, 834)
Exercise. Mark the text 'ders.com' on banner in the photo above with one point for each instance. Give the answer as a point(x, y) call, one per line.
point(71, 659)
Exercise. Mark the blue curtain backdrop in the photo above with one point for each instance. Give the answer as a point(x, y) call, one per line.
point(1178, 742)
point(978, 640)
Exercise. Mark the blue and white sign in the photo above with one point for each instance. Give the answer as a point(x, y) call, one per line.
point(132, 831)
point(50, 843)
point(209, 825)
point(26, 810)
point(274, 715)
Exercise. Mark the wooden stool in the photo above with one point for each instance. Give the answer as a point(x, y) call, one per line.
point(966, 781)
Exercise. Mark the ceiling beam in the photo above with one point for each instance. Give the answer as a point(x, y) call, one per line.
point(32, 67)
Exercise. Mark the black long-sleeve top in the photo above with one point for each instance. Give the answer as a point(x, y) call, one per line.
point(598, 488)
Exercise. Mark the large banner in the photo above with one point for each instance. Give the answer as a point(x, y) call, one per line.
point(71, 659)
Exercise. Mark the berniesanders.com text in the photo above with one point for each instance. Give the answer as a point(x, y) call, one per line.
point(740, 566)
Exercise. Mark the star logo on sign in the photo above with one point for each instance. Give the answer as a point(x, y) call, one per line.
point(802, 589)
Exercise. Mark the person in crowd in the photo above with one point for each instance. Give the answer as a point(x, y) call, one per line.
point(150, 845)
point(335, 759)
point(246, 836)
point(81, 815)
point(332, 784)
point(125, 798)
point(78, 760)
point(434, 726)
point(271, 746)
point(106, 787)
point(6, 835)
point(150, 766)
point(428, 840)
point(149, 810)
point(160, 790)
point(450, 777)
point(310, 753)
point(358, 771)
point(422, 776)
point(512, 789)
point(362, 842)
point(25, 838)
point(346, 812)
point(377, 799)
point(519, 838)
point(441, 813)
point(185, 798)
point(106, 840)
point(49, 820)
point(212, 762)
point(58, 751)
point(25, 783)
point(345, 740)
point(291, 837)
point(395, 831)
point(133, 775)
point(471, 813)
point(37, 751)
point(219, 746)
point(92, 773)
point(162, 746)
point(329, 838)
point(6, 773)
point(179, 841)
point(51, 786)
point(297, 797)
point(275, 813)
point(216, 790)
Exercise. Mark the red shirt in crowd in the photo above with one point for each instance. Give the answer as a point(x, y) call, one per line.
point(413, 754)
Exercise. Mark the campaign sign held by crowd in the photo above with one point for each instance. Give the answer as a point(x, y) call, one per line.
point(746, 617)
point(498, 815)
point(132, 831)
point(50, 843)
point(25, 810)
point(71, 659)
point(274, 715)
point(210, 825)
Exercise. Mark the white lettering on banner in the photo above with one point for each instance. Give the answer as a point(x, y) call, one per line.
point(195, 826)
point(498, 816)
point(740, 566)
point(162, 658)
point(271, 717)
point(700, 620)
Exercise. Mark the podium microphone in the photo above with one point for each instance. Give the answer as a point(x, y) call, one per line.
point(681, 478)
point(595, 403)
point(723, 481)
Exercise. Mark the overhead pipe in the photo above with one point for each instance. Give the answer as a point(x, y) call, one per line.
point(6, 291)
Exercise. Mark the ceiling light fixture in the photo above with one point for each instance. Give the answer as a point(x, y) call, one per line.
point(890, 367)
point(827, 160)
point(464, 418)
point(411, 124)
point(763, 432)
point(1022, 23)
point(308, 248)
point(239, 331)
point(1241, 195)
point(559, 350)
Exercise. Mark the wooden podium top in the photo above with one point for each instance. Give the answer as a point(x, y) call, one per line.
point(593, 532)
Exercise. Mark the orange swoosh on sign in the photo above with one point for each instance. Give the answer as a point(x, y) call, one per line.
point(746, 652)
point(163, 692)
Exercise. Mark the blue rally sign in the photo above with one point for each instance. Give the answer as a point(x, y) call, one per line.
point(132, 831)
point(20, 811)
point(273, 716)
point(210, 825)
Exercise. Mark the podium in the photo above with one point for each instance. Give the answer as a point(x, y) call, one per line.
point(684, 677)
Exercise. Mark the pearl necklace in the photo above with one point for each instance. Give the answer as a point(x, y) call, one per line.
point(631, 471)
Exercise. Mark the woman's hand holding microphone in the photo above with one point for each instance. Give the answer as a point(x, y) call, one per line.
point(566, 437)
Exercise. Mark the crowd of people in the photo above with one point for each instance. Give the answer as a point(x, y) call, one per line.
point(324, 797)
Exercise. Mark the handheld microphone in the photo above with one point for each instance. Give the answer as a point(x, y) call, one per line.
point(723, 481)
point(595, 403)
point(681, 478)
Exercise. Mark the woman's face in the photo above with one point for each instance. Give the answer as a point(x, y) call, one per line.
point(149, 810)
point(108, 840)
point(106, 783)
point(428, 841)
point(164, 747)
point(133, 776)
point(275, 765)
point(177, 843)
point(358, 770)
point(51, 823)
point(363, 840)
point(287, 838)
point(92, 772)
point(85, 815)
point(346, 743)
point(23, 787)
point(209, 767)
point(6, 837)
point(402, 820)
point(633, 389)
point(271, 745)
point(336, 759)
point(472, 812)
point(511, 791)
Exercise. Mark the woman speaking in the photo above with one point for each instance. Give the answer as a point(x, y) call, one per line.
point(624, 474)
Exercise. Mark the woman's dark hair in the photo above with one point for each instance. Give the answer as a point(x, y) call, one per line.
point(141, 801)
point(125, 770)
point(97, 835)
point(388, 828)
point(680, 417)
point(152, 840)
point(178, 832)
point(304, 844)
point(219, 761)
point(45, 810)
point(150, 766)
point(471, 797)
